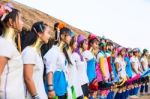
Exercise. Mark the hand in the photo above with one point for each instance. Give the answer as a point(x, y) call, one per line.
point(112, 78)
point(121, 77)
point(51, 94)
point(127, 77)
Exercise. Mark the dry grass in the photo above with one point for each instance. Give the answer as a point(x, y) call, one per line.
point(31, 15)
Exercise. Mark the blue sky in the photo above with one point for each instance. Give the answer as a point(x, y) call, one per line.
point(126, 22)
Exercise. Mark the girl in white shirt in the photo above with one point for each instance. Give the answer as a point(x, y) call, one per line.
point(136, 68)
point(121, 64)
point(11, 67)
point(82, 44)
point(121, 71)
point(135, 63)
point(144, 60)
point(33, 63)
point(57, 61)
point(73, 71)
point(144, 64)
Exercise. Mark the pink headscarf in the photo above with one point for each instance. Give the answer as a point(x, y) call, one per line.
point(5, 9)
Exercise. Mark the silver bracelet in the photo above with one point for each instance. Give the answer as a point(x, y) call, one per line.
point(50, 87)
point(35, 97)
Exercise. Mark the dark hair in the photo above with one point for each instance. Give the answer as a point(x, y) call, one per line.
point(109, 44)
point(144, 51)
point(24, 35)
point(11, 15)
point(46, 47)
point(51, 42)
point(73, 40)
point(56, 33)
point(36, 28)
point(65, 31)
point(134, 52)
point(1, 28)
point(119, 53)
point(55, 26)
point(91, 41)
point(81, 44)
point(30, 37)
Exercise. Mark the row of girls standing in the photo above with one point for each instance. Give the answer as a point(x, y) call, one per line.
point(19, 67)
point(73, 63)
point(21, 70)
point(67, 76)
point(127, 64)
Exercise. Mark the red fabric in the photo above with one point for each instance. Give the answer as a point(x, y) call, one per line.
point(109, 64)
point(92, 36)
point(129, 81)
point(93, 85)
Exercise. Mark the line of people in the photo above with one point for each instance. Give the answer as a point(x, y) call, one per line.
point(34, 66)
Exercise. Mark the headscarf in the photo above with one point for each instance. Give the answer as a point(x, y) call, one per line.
point(80, 39)
point(91, 38)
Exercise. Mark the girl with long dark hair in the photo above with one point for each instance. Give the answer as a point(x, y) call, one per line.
point(73, 70)
point(33, 63)
point(11, 67)
point(57, 60)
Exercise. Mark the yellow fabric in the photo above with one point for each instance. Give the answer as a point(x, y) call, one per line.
point(19, 43)
point(5, 0)
point(102, 65)
point(85, 97)
point(122, 81)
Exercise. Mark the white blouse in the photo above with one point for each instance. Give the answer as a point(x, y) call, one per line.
point(81, 68)
point(145, 61)
point(30, 56)
point(74, 76)
point(55, 60)
point(135, 60)
point(87, 55)
point(122, 67)
point(12, 76)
